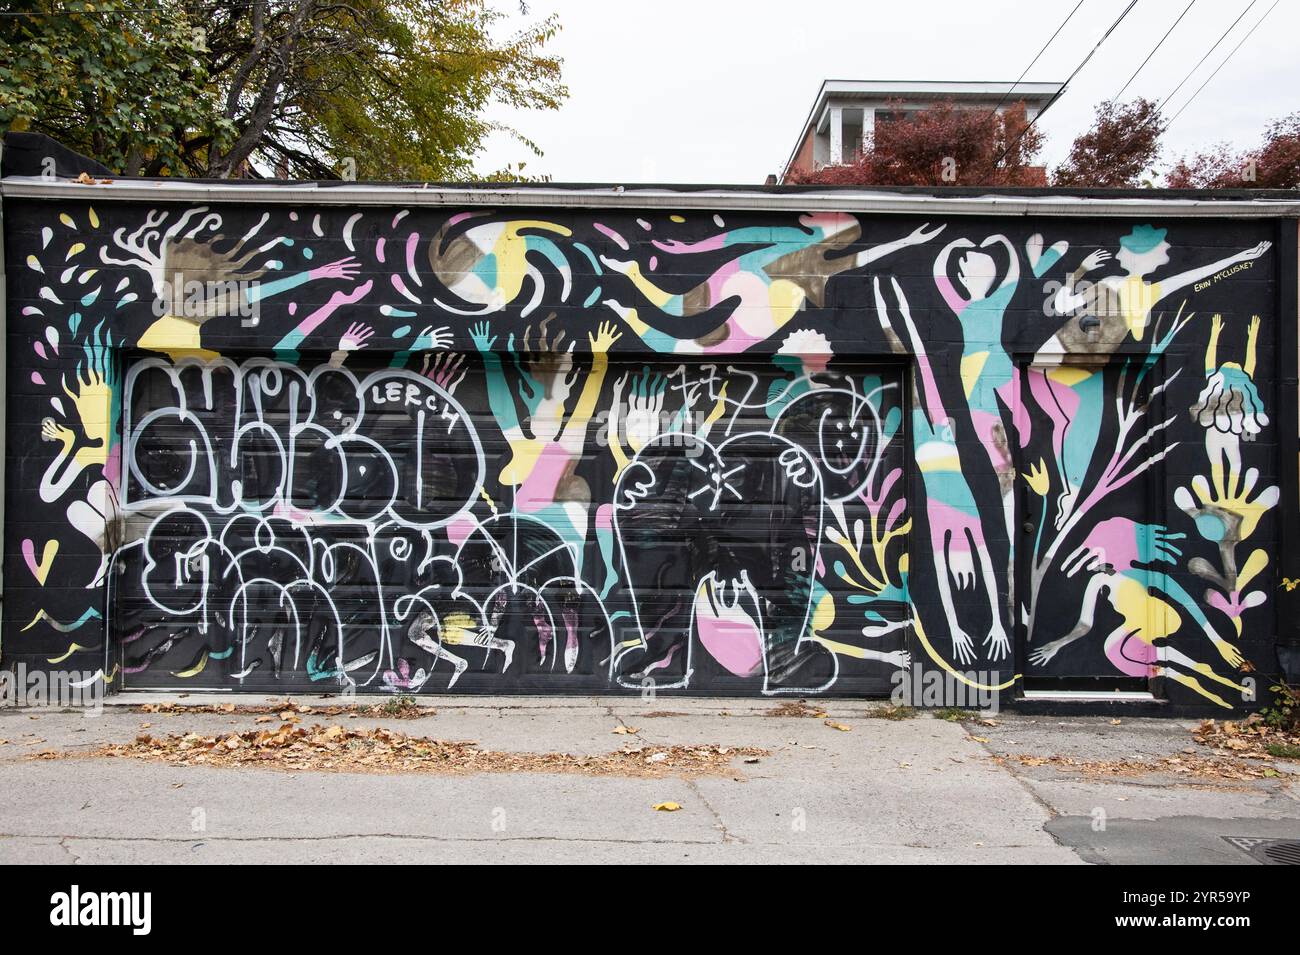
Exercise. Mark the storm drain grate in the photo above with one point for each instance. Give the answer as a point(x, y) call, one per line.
point(1268, 851)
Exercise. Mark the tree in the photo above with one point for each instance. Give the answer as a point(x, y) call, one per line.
point(110, 82)
point(942, 145)
point(302, 88)
point(1274, 164)
point(1117, 151)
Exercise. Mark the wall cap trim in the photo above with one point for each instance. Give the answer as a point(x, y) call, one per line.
point(713, 199)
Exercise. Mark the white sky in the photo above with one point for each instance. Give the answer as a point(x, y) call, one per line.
point(715, 91)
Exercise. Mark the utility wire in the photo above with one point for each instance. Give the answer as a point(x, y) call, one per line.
point(1221, 65)
point(1155, 116)
point(1064, 86)
point(1189, 6)
point(1026, 70)
point(1231, 27)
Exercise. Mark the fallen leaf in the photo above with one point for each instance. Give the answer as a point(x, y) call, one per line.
point(980, 739)
point(624, 730)
point(843, 728)
point(666, 807)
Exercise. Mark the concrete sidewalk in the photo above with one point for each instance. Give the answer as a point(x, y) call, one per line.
point(919, 790)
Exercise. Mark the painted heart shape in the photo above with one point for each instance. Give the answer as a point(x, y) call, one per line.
point(40, 570)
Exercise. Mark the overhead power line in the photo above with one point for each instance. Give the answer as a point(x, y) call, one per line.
point(1155, 116)
point(1161, 43)
point(1221, 65)
point(1064, 86)
point(1037, 55)
point(1214, 47)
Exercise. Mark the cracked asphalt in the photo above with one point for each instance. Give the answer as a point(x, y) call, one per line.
point(920, 790)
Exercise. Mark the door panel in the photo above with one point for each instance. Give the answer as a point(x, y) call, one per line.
point(1089, 604)
point(512, 523)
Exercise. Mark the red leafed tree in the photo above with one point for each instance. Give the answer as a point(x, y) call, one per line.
point(942, 145)
point(1117, 151)
point(1274, 164)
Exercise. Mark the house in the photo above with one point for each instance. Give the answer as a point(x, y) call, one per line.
point(846, 113)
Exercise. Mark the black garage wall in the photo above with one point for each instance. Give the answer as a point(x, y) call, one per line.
point(531, 450)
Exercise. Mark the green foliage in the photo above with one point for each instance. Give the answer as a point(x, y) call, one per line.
point(120, 81)
point(891, 712)
point(953, 714)
point(1283, 713)
point(301, 88)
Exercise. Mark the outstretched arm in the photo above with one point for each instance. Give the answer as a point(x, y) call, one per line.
point(1175, 590)
point(941, 280)
point(575, 429)
point(498, 391)
point(293, 338)
point(922, 233)
point(348, 268)
point(1175, 282)
point(1013, 267)
point(1087, 617)
point(930, 387)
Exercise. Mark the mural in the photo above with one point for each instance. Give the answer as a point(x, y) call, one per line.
point(418, 450)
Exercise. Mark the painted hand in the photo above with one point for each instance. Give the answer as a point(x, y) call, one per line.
point(645, 407)
point(432, 339)
point(51, 430)
point(997, 643)
point(963, 646)
point(606, 335)
point(481, 335)
point(355, 337)
point(446, 370)
point(1231, 655)
point(348, 268)
point(899, 658)
point(922, 233)
point(1226, 516)
point(1254, 252)
point(1094, 260)
point(1043, 655)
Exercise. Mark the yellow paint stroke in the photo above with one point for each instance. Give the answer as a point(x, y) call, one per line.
point(72, 648)
point(94, 218)
point(1256, 562)
point(934, 655)
point(196, 669)
point(971, 367)
point(67, 220)
point(41, 570)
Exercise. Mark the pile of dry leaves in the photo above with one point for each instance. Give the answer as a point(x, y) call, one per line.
point(1189, 763)
point(380, 750)
point(398, 708)
point(1251, 737)
point(797, 708)
point(1244, 750)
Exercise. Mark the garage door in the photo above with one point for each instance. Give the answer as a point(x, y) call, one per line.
point(512, 522)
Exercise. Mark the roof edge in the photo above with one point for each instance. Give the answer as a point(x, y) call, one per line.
point(878, 200)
